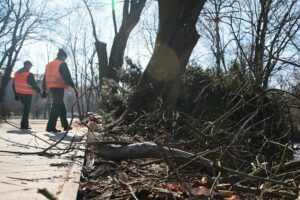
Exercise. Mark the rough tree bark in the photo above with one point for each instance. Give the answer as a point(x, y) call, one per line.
point(176, 38)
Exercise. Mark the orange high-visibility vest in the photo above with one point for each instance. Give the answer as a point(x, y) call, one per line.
point(21, 85)
point(53, 76)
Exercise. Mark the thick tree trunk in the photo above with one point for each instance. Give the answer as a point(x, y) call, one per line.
point(176, 39)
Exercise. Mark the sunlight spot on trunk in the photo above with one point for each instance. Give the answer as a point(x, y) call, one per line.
point(164, 64)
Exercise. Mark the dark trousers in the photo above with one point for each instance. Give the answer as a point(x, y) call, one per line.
point(26, 101)
point(58, 109)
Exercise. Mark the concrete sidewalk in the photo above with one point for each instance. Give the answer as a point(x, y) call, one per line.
point(33, 177)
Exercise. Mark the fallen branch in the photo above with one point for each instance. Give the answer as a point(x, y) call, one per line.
point(137, 151)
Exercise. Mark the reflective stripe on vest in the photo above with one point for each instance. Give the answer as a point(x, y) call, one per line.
point(21, 85)
point(53, 76)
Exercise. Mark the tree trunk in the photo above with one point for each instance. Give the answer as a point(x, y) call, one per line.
point(218, 44)
point(130, 20)
point(260, 41)
point(102, 59)
point(176, 38)
point(7, 73)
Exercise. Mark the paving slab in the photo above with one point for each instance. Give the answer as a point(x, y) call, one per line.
point(30, 176)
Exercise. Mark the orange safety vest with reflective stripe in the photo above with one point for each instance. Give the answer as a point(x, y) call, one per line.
point(53, 76)
point(21, 85)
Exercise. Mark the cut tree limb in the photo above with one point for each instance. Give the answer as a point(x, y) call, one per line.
point(137, 151)
point(117, 152)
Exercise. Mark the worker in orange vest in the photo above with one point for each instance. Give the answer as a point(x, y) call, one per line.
point(57, 77)
point(24, 86)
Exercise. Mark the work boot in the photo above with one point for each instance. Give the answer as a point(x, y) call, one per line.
point(68, 128)
point(25, 127)
point(53, 130)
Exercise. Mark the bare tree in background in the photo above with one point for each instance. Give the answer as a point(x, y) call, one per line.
point(72, 37)
point(266, 34)
point(132, 10)
point(19, 20)
point(210, 25)
point(90, 81)
point(148, 27)
point(82, 59)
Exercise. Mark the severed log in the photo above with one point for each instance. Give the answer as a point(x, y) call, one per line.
point(117, 152)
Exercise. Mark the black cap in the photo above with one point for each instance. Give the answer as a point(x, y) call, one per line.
point(61, 53)
point(27, 63)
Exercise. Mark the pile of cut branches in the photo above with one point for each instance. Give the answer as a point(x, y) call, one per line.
point(188, 158)
point(228, 139)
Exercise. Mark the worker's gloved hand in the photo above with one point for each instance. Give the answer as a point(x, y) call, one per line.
point(76, 91)
point(44, 95)
point(16, 97)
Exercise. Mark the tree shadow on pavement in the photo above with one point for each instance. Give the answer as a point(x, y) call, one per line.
point(19, 131)
point(58, 136)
